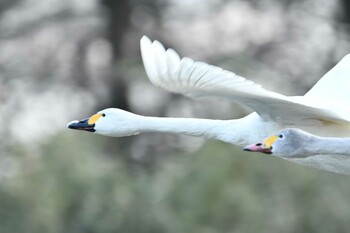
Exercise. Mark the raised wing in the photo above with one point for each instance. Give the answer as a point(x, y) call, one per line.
point(197, 79)
point(335, 84)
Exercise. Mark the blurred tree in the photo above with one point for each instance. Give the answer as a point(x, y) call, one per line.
point(345, 14)
point(119, 14)
point(7, 4)
point(118, 23)
point(69, 183)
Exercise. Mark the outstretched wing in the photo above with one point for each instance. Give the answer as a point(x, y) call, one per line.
point(335, 84)
point(196, 79)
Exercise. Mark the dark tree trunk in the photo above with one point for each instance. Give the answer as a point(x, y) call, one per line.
point(345, 8)
point(118, 24)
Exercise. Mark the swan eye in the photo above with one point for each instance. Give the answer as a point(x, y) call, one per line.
point(103, 114)
point(281, 136)
point(258, 144)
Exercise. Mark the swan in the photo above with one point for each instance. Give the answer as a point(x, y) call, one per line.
point(321, 111)
point(326, 153)
point(291, 143)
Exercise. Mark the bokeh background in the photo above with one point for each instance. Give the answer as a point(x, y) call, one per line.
point(62, 60)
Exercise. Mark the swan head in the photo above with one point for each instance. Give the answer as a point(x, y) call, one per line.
point(289, 143)
point(109, 122)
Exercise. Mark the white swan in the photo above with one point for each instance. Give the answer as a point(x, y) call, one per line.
point(291, 143)
point(327, 153)
point(315, 112)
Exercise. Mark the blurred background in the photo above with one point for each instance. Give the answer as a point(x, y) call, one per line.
point(62, 60)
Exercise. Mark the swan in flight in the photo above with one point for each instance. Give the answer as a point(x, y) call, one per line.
point(321, 111)
point(327, 153)
point(295, 143)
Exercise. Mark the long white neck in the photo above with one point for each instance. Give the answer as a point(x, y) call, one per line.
point(327, 145)
point(231, 131)
point(243, 131)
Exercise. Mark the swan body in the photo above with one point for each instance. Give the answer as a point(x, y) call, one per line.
point(315, 112)
point(327, 153)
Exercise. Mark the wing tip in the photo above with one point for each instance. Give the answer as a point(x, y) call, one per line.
point(145, 40)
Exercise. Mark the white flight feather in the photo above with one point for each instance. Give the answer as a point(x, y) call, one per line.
point(198, 79)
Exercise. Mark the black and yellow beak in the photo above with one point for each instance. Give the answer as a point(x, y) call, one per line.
point(87, 124)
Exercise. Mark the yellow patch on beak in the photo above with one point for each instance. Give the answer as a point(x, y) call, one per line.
point(269, 141)
point(94, 118)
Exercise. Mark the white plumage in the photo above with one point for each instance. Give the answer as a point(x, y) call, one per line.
point(197, 79)
point(322, 111)
point(327, 153)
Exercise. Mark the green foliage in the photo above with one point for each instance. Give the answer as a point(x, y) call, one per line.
point(75, 185)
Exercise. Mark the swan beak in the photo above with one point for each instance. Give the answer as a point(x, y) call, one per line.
point(258, 147)
point(270, 141)
point(87, 124)
point(265, 147)
point(82, 125)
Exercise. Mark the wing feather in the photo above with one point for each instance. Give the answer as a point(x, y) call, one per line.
point(335, 84)
point(167, 70)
